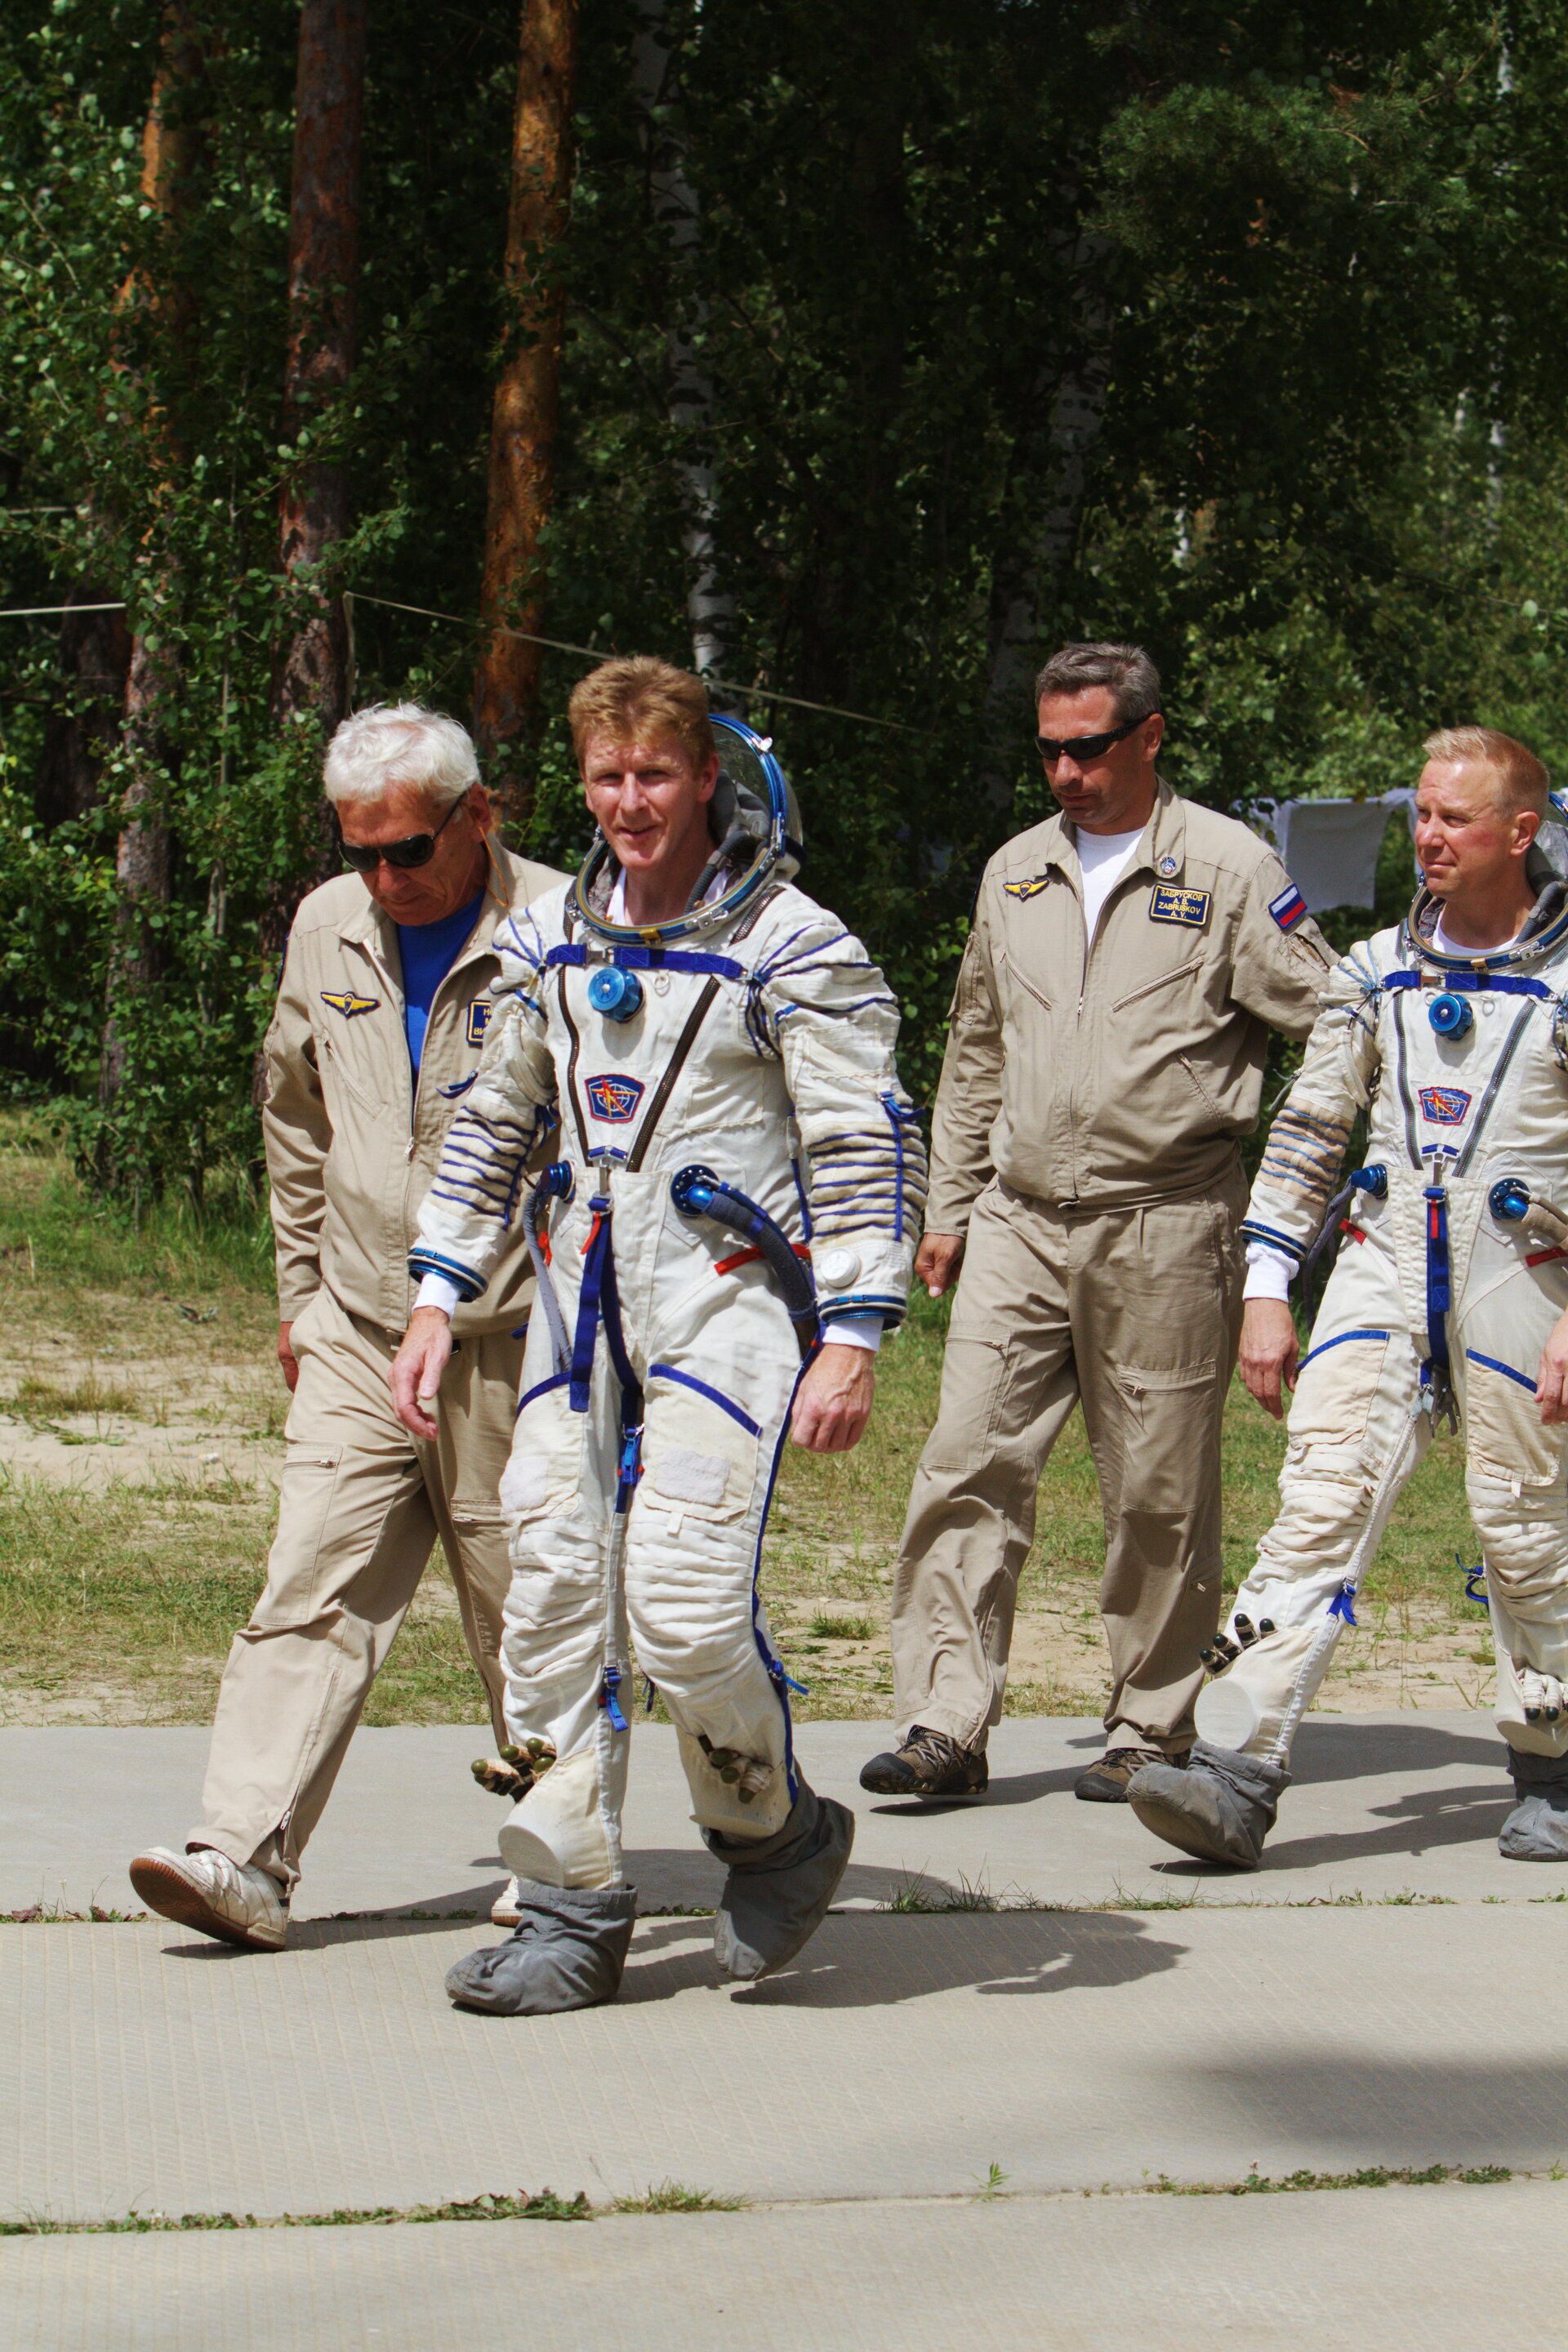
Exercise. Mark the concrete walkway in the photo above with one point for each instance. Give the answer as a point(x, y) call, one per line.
point(1387, 1993)
point(1384, 1805)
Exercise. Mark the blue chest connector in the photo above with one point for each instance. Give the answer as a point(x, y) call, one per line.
point(617, 994)
point(1508, 1200)
point(1449, 1015)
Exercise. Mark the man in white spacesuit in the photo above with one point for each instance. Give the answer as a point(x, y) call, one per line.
point(1450, 1034)
point(719, 1051)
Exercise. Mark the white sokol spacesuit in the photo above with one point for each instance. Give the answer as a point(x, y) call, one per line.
point(754, 1040)
point(1451, 1274)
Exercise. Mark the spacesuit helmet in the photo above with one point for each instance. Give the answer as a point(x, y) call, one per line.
point(755, 826)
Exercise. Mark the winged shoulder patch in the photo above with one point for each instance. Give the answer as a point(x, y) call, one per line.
point(1029, 888)
point(345, 1000)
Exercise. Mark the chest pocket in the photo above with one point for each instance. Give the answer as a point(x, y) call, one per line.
point(700, 1452)
point(347, 1055)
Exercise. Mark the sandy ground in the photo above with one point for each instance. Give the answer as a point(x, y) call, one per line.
point(200, 1407)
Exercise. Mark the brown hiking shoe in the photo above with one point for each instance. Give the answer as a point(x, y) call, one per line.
point(929, 1764)
point(1105, 1783)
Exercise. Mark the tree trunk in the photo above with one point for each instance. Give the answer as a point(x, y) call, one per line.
point(528, 394)
point(1067, 411)
point(323, 269)
point(173, 153)
point(656, 74)
point(95, 658)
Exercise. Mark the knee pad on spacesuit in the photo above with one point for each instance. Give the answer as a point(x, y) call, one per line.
point(556, 1834)
point(1272, 1682)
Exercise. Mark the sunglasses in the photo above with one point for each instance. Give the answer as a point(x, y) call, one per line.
point(417, 849)
point(1086, 747)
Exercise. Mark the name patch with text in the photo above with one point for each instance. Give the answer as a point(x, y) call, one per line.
point(479, 1013)
point(1444, 1106)
point(613, 1098)
point(345, 1000)
point(1171, 904)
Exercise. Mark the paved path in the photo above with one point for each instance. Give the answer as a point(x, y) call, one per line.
point(858, 2100)
point(1388, 2269)
point(1383, 1805)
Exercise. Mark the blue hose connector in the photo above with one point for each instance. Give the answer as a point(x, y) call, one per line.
point(1508, 1200)
point(1372, 1180)
point(615, 993)
point(692, 1190)
point(1450, 1016)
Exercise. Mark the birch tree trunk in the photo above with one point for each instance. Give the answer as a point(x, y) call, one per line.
point(323, 269)
point(527, 401)
point(676, 208)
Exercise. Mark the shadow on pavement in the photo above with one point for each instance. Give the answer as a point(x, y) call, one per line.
point(1396, 2111)
point(857, 1963)
point(1347, 1749)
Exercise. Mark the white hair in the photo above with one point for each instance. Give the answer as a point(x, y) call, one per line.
point(399, 743)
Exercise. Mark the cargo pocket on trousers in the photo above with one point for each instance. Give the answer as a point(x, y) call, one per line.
point(1504, 1434)
point(973, 1394)
point(304, 1515)
point(544, 1475)
point(1335, 1390)
point(700, 1453)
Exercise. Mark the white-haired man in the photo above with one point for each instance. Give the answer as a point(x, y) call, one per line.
point(381, 1014)
point(1449, 1034)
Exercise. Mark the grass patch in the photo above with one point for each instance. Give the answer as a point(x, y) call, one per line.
point(41, 1402)
point(544, 2207)
point(1371, 2176)
point(841, 1629)
point(673, 2196)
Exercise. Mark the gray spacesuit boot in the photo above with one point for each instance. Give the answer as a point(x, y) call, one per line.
point(568, 1952)
point(1221, 1807)
point(1537, 1829)
point(776, 1895)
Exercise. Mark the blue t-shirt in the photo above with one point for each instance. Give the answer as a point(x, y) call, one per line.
point(428, 951)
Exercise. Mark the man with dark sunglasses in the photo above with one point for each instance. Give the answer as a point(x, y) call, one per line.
point(381, 1014)
point(1106, 1052)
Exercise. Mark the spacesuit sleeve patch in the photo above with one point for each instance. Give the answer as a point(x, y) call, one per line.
point(1171, 904)
point(479, 1013)
point(1288, 908)
point(1029, 888)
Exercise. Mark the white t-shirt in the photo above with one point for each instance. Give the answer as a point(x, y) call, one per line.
point(1103, 858)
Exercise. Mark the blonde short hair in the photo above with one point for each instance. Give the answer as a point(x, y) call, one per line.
point(642, 697)
point(390, 743)
point(1522, 780)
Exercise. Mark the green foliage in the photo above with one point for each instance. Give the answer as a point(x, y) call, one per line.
point(1316, 256)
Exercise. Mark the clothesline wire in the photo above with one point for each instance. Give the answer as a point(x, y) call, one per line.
point(556, 644)
point(597, 653)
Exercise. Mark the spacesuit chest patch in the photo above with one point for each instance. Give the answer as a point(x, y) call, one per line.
point(345, 1000)
point(1029, 888)
point(1444, 1106)
point(1288, 909)
point(1171, 904)
point(479, 1013)
point(614, 1098)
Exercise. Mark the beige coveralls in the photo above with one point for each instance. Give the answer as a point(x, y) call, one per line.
point(1084, 1143)
point(352, 1149)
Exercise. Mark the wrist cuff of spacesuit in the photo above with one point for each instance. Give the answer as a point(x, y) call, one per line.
point(465, 1281)
point(439, 1290)
point(853, 1331)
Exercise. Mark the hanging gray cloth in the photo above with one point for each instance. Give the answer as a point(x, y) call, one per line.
point(1330, 847)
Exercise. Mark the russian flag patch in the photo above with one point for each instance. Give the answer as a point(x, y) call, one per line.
point(1288, 909)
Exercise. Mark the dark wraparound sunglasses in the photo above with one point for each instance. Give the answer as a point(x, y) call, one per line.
point(1086, 747)
point(417, 849)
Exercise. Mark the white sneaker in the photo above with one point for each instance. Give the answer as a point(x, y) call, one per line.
point(232, 1900)
point(506, 1911)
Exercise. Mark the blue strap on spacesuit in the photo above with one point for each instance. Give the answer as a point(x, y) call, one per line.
point(1440, 1275)
point(638, 957)
point(1504, 983)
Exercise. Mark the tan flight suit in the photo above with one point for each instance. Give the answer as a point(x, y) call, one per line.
point(352, 1147)
point(1084, 1143)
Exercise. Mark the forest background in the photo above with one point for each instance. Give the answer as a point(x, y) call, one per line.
point(851, 353)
